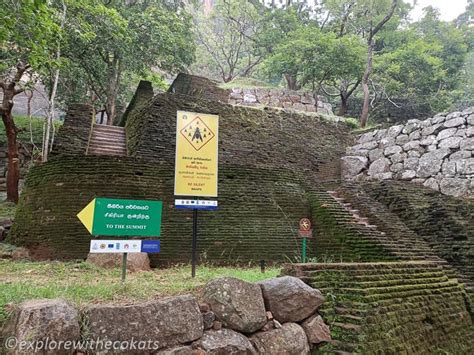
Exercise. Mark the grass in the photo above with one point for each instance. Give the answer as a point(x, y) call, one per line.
point(23, 125)
point(83, 283)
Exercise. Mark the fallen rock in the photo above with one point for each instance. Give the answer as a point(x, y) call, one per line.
point(237, 304)
point(41, 320)
point(146, 321)
point(226, 342)
point(290, 339)
point(135, 261)
point(290, 299)
point(316, 330)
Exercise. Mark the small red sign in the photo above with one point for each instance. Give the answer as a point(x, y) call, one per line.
point(305, 225)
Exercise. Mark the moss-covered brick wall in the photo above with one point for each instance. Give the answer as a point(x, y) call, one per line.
point(199, 86)
point(142, 95)
point(257, 217)
point(446, 223)
point(73, 136)
point(391, 307)
point(268, 138)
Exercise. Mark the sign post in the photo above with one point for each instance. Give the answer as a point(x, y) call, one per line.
point(196, 165)
point(304, 232)
point(119, 217)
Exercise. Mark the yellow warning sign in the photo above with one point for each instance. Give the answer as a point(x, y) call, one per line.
point(196, 154)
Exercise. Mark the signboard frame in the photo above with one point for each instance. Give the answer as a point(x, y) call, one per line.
point(180, 189)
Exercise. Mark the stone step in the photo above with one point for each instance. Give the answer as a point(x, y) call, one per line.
point(108, 128)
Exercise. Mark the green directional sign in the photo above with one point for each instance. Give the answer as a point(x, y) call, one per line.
point(117, 217)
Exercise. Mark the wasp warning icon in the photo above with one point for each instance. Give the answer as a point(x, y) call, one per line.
point(197, 133)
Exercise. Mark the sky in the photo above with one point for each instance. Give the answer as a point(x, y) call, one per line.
point(449, 9)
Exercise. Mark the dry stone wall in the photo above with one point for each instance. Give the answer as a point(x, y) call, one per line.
point(201, 87)
point(437, 152)
point(228, 321)
point(296, 100)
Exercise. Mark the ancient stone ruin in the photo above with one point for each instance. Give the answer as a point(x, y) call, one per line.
point(437, 152)
point(393, 258)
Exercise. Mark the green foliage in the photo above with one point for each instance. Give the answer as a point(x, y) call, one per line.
point(28, 128)
point(108, 45)
point(27, 29)
point(226, 48)
point(317, 57)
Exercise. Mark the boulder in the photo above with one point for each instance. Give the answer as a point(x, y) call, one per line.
point(375, 154)
point(402, 139)
point(461, 154)
point(394, 131)
point(470, 132)
point(408, 175)
point(351, 166)
point(379, 167)
point(290, 299)
point(398, 158)
point(451, 142)
point(432, 183)
point(411, 145)
point(415, 135)
point(135, 261)
point(226, 341)
point(454, 186)
point(454, 122)
point(290, 339)
point(44, 320)
point(394, 149)
point(465, 166)
point(446, 133)
point(470, 120)
point(167, 322)
point(430, 163)
point(467, 144)
point(367, 137)
point(411, 163)
point(429, 140)
point(316, 330)
point(449, 168)
point(237, 304)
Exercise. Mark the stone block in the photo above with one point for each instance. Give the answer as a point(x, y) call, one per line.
point(316, 330)
point(237, 304)
point(289, 339)
point(352, 165)
point(166, 322)
point(290, 299)
point(446, 133)
point(451, 142)
point(44, 320)
point(226, 341)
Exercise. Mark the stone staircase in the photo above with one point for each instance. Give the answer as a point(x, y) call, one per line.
point(385, 228)
point(390, 307)
point(107, 140)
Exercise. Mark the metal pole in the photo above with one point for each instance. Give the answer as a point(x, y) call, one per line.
point(124, 266)
point(194, 251)
point(303, 251)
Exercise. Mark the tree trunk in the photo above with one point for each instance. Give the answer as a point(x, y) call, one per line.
point(291, 82)
point(365, 84)
point(112, 89)
point(13, 173)
point(52, 98)
point(344, 106)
